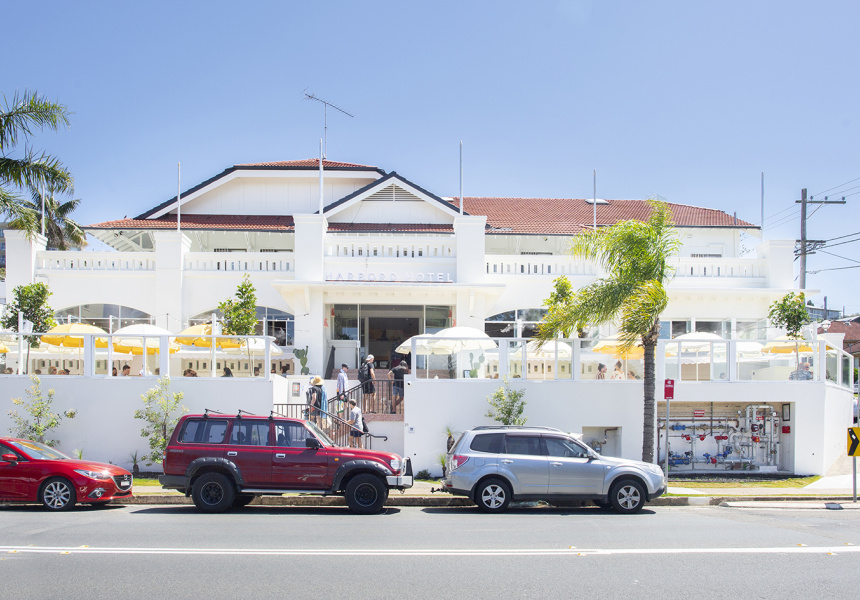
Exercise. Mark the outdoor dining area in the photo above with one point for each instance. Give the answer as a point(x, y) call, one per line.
point(468, 353)
point(137, 350)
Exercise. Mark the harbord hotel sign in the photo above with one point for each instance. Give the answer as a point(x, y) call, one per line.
point(407, 277)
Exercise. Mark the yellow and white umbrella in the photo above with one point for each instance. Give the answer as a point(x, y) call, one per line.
point(131, 340)
point(200, 336)
point(70, 335)
point(786, 345)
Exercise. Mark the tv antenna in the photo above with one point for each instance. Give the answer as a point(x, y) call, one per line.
point(325, 104)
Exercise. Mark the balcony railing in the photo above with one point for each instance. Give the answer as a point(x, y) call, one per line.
point(529, 264)
point(249, 262)
point(48, 261)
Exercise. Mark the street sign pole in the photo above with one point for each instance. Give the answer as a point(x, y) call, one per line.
point(853, 451)
point(668, 394)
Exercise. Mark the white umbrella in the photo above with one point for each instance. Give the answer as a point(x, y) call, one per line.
point(458, 339)
point(255, 347)
point(130, 339)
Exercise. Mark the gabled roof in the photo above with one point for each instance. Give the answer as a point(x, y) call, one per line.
point(308, 164)
point(567, 216)
point(201, 222)
point(381, 183)
point(851, 341)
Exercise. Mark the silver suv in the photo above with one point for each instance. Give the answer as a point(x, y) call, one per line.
point(497, 464)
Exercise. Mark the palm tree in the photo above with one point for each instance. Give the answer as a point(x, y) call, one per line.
point(635, 256)
point(19, 119)
point(60, 229)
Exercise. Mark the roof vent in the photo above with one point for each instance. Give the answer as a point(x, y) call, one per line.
point(599, 201)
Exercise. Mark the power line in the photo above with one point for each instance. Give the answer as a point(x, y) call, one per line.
point(840, 243)
point(833, 269)
point(780, 212)
point(835, 187)
point(843, 236)
point(839, 256)
point(783, 220)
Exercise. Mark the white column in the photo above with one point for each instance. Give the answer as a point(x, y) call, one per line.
point(170, 250)
point(310, 241)
point(469, 235)
point(21, 253)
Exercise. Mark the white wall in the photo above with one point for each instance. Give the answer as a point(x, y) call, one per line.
point(432, 405)
point(375, 211)
point(105, 427)
point(273, 195)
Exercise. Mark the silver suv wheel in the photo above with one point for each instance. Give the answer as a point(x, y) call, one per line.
point(493, 495)
point(627, 496)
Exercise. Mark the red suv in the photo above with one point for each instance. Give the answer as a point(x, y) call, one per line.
point(223, 462)
point(34, 472)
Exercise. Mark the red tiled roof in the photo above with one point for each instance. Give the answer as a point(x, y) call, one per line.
point(306, 162)
point(851, 342)
point(386, 227)
point(225, 222)
point(566, 216)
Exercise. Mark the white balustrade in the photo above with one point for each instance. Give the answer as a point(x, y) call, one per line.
point(536, 264)
point(720, 267)
point(94, 261)
point(250, 262)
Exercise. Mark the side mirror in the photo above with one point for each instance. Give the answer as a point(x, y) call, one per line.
point(10, 458)
point(313, 443)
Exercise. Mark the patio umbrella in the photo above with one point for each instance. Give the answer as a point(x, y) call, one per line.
point(786, 345)
point(3, 348)
point(69, 335)
point(612, 345)
point(199, 336)
point(423, 347)
point(255, 347)
point(451, 339)
point(548, 350)
point(130, 343)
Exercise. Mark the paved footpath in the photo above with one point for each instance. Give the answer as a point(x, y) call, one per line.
point(423, 494)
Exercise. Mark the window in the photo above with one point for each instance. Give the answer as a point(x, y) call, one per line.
point(203, 431)
point(564, 448)
point(290, 435)
point(488, 442)
point(521, 444)
point(250, 433)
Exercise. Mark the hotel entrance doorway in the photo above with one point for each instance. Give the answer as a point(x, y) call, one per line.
point(379, 328)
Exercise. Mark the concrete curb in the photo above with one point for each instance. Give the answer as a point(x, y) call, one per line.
point(439, 501)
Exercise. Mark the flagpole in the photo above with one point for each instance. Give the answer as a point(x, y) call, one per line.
point(178, 197)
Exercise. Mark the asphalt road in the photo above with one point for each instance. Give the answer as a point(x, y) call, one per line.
point(156, 552)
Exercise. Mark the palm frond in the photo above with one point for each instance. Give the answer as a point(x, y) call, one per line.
point(32, 170)
point(28, 113)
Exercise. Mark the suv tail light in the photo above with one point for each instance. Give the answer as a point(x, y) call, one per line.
point(458, 460)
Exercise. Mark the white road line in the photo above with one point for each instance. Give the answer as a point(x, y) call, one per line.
point(426, 552)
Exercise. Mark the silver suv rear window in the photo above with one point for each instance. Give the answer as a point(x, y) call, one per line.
point(488, 442)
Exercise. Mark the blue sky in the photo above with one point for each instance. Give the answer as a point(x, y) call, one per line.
point(687, 100)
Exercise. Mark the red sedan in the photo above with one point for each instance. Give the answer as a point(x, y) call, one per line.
point(34, 472)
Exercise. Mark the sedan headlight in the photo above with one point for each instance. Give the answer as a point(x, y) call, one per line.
point(93, 474)
point(396, 464)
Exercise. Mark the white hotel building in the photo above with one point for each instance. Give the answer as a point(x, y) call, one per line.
point(355, 260)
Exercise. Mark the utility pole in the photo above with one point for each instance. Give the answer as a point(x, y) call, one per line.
point(803, 239)
point(808, 246)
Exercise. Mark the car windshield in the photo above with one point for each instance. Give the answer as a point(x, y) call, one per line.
point(38, 451)
point(325, 439)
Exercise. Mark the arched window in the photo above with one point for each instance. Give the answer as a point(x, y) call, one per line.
point(270, 321)
point(505, 324)
point(109, 317)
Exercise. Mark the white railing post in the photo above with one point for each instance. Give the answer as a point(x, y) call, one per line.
point(164, 356)
point(267, 356)
point(576, 361)
point(89, 355)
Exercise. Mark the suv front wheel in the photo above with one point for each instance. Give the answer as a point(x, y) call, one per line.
point(493, 496)
point(627, 496)
point(213, 492)
point(365, 494)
